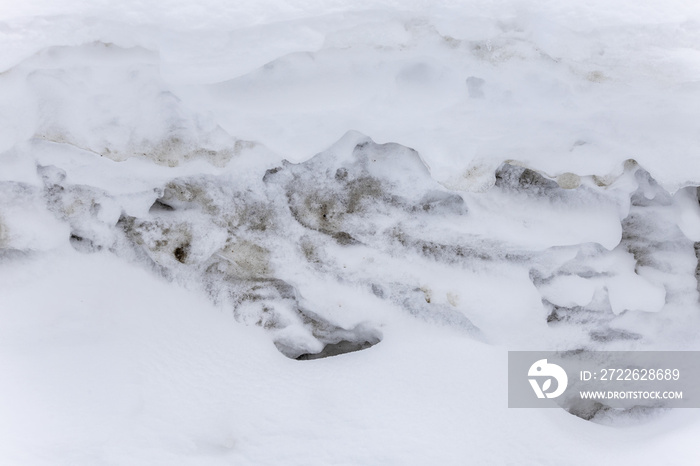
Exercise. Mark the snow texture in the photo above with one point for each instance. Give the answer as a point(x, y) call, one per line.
point(309, 232)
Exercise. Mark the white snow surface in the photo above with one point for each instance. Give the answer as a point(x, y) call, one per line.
point(111, 365)
point(195, 194)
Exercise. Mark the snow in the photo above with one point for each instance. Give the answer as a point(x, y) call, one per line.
point(157, 376)
point(200, 201)
point(569, 291)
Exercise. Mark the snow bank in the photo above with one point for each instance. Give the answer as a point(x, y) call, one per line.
point(201, 204)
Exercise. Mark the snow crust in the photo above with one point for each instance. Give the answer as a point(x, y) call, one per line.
point(200, 204)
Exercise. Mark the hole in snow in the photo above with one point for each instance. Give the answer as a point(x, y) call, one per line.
point(159, 206)
point(181, 253)
point(335, 342)
point(342, 347)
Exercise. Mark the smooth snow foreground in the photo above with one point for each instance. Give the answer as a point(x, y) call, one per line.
point(105, 364)
point(287, 233)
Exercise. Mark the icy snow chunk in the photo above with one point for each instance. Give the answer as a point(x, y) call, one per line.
point(188, 240)
point(25, 222)
point(399, 165)
point(348, 191)
point(113, 102)
point(569, 180)
point(510, 176)
point(630, 292)
point(568, 291)
point(247, 259)
point(687, 212)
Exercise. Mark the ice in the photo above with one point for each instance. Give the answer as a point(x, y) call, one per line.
point(262, 240)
